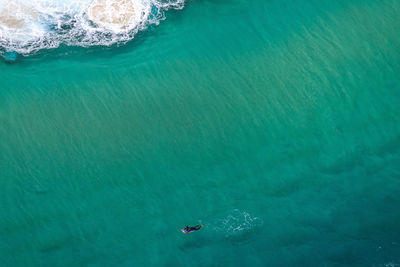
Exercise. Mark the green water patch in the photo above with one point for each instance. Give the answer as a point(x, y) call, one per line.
point(281, 136)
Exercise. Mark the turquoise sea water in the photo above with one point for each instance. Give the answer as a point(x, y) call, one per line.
point(273, 123)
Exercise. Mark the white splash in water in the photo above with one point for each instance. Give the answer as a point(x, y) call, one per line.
point(238, 222)
point(27, 26)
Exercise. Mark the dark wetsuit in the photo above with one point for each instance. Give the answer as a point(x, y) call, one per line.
point(194, 228)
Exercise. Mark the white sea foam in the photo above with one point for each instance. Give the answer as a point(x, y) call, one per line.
point(27, 26)
point(238, 222)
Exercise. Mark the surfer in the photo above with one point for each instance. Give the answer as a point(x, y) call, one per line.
point(188, 229)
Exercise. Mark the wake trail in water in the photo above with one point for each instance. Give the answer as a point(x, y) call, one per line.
point(238, 226)
point(236, 222)
point(29, 26)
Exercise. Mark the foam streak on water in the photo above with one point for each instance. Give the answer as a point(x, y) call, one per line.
point(29, 26)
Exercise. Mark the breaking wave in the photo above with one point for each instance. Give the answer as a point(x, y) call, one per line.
point(27, 26)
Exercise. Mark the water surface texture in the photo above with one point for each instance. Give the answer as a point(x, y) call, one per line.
point(273, 123)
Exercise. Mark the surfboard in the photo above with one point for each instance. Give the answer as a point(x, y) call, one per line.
point(186, 232)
